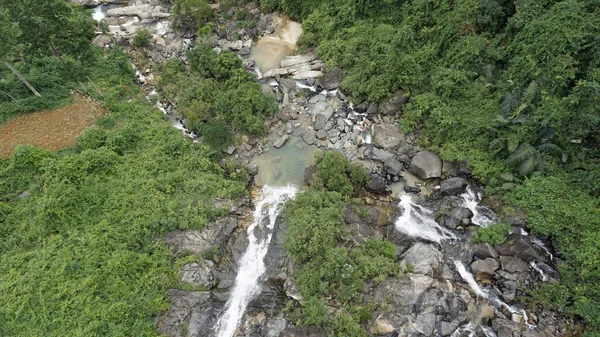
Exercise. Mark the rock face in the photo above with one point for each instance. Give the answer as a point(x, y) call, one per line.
point(403, 292)
point(387, 136)
point(519, 246)
point(513, 264)
point(425, 165)
point(487, 266)
point(331, 79)
point(423, 258)
point(198, 242)
point(453, 186)
point(485, 250)
point(199, 274)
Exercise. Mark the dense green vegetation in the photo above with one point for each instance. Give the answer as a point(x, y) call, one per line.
point(327, 270)
point(494, 234)
point(217, 95)
point(513, 87)
point(80, 248)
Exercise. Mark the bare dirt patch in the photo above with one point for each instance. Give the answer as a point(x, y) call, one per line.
point(50, 129)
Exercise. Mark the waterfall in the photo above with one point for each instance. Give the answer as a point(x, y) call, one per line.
point(541, 272)
point(495, 301)
point(417, 222)
point(540, 244)
point(251, 265)
point(487, 331)
point(465, 328)
point(482, 216)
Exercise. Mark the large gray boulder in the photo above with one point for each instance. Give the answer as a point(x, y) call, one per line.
point(322, 108)
point(424, 258)
point(403, 292)
point(453, 186)
point(425, 323)
point(425, 165)
point(519, 246)
point(513, 264)
point(456, 217)
point(387, 136)
point(485, 250)
point(487, 266)
point(331, 79)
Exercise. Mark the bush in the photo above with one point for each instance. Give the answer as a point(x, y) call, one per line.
point(494, 234)
point(142, 38)
point(335, 173)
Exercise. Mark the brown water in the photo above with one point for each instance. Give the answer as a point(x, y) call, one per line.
point(271, 49)
point(285, 165)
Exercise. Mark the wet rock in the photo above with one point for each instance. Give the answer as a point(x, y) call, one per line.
point(393, 167)
point(322, 108)
point(230, 149)
point(447, 328)
point(279, 142)
point(453, 186)
point(425, 165)
point(424, 258)
point(203, 318)
point(485, 250)
point(274, 327)
point(513, 264)
point(317, 98)
point(321, 134)
point(425, 323)
point(379, 154)
point(320, 122)
point(487, 266)
point(455, 217)
point(309, 137)
point(387, 136)
point(199, 274)
point(394, 105)
point(519, 246)
point(303, 332)
point(331, 79)
point(377, 184)
point(198, 242)
point(505, 327)
point(183, 302)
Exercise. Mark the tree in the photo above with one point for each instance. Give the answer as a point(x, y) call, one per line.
point(191, 13)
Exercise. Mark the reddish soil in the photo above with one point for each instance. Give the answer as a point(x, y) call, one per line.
point(50, 129)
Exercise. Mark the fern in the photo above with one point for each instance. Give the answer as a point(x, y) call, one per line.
point(528, 166)
point(523, 153)
point(529, 93)
point(510, 102)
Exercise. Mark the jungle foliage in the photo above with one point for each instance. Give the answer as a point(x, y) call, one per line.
point(217, 95)
point(326, 268)
point(509, 86)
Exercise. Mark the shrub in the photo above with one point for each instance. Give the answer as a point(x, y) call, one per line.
point(494, 234)
point(142, 38)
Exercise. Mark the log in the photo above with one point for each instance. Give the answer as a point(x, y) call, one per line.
point(22, 79)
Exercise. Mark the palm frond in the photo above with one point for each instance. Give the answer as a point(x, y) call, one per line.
point(550, 148)
point(510, 102)
point(497, 145)
point(500, 119)
point(529, 93)
point(528, 166)
point(522, 154)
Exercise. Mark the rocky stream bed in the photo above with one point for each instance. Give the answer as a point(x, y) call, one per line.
point(427, 207)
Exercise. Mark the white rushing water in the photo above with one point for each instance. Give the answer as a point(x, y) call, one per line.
point(540, 271)
point(482, 216)
point(417, 222)
point(251, 265)
point(462, 329)
point(468, 277)
point(98, 14)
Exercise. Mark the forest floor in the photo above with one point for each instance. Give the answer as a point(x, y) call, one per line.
point(50, 129)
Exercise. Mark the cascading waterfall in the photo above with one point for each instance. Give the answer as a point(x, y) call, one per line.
point(251, 265)
point(468, 277)
point(540, 271)
point(482, 216)
point(417, 222)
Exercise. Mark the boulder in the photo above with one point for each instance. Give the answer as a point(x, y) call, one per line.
point(453, 186)
point(455, 217)
point(381, 327)
point(279, 142)
point(393, 167)
point(331, 79)
point(485, 250)
point(425, 323)
point(487, 266)
point(252, 169)
point(199, 274)
point(394, 105)
point(387, 136)
point(321, 134)
point(322, 108)
point(513, 264)
point(424, 258)
point(520, 246)
point(425, 165)
point(377, 184)
point(403, 292)
point(320, 122)
point(309, 137)
point(198, 242)
point(372, 109)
